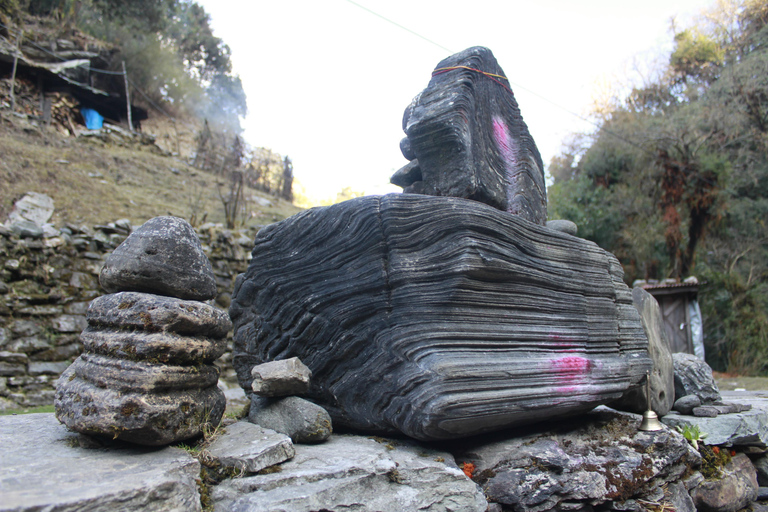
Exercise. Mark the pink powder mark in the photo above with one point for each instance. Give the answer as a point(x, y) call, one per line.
point(506, 145)
point(571, 369)
point(507, 148)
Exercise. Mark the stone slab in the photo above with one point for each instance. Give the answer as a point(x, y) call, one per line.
point(46, 467)
point(748, 428)
point(356, 473)
point(251, 448)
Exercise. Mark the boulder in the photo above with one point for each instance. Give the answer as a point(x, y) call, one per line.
point(299, 419)
point(694, 377)
point(686, 404)
point(33, 207)
point(662, 376)
point(249, 448)
point(734, 491)
point(437, 317)
point(285, 377)
point(470, 140)
point(47, 467)
point(356, 473)
point(163, 256)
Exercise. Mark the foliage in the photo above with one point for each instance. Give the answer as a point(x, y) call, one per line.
point(675, 179)
point(693, 434)
point(169, 49)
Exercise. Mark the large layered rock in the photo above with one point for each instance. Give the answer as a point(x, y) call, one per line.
point(146, 375)
point(466, 138)
point(438, 317)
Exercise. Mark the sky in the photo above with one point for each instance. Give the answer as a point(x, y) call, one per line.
point(327, 81)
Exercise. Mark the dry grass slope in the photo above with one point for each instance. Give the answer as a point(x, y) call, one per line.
point(93, 181)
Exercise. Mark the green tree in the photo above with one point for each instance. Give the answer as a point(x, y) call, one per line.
point(675, 180)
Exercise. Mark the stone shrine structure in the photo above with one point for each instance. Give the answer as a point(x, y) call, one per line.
point(444, 317)
point(146, 374)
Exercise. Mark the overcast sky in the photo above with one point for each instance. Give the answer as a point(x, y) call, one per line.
point(327, 80)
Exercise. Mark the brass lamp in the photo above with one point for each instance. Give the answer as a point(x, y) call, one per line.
point(650, 421)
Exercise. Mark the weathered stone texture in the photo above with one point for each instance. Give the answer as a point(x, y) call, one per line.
point(299, 419)
point(694, 377)
point(438, 317)
point(662, 375)
point(162, 256)
point(284, 377)
point(466, 138)
point(249, 448)
point(356, 473)
point(46, 467)
point(597, 459)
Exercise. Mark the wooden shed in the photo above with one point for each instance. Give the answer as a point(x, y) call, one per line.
point(680, 310)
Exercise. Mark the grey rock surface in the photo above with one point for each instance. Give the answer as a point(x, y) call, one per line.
point(734, 491)
point(437, 317)
point(34, 207)
point(686, 404)
point(663, 374)
point(470, 140)
point(26, 229)
point(748, 428)
point(162, 256)
point(46, 467)
point(158, 347)
point(705, 411)
point(597, 458)
point(250, 448)
point(356, 473)
point(679, 497)
point(284, 377)
point(299, 419)
point(144, 403)
point(156, 313)
point(761, 465)
point(564, 226)
point(694, 377)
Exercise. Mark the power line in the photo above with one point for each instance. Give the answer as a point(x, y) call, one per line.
point(402, 27)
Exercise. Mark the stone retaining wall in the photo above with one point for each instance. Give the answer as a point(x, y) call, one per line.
point(46, 285)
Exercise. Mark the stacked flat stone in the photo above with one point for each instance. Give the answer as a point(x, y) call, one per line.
point(275, 406)
point(146, 375)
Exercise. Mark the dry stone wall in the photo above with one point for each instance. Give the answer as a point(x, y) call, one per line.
point(46, 285)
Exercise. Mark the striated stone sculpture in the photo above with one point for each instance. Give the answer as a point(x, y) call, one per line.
point(146, 374)
point(466, 138)
point(438, 317)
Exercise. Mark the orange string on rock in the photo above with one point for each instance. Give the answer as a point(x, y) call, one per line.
point(440, 71)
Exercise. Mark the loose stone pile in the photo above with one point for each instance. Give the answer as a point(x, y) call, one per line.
point(275, 406)
point(146, 374)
